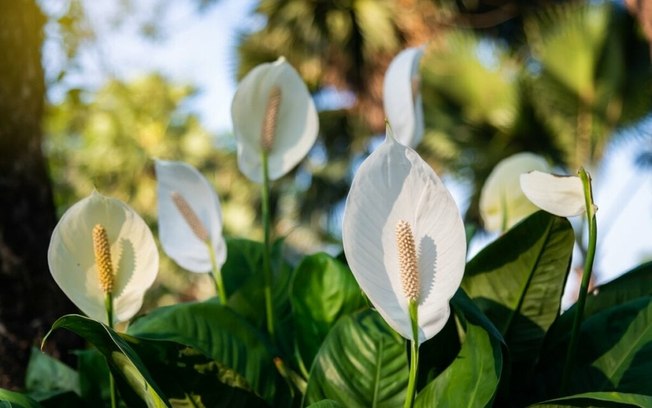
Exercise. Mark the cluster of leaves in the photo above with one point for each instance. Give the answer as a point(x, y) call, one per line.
point(504, 345)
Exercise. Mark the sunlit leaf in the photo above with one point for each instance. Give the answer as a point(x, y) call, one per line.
point(322, 291)
point(362, 363)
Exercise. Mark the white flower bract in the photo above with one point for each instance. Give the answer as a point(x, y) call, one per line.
point(402, 99)
point(133, 255)
point(295, 126)
point(393, 185)
point(558, 195)
point(177, 237)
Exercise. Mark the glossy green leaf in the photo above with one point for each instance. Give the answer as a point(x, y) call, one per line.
point(93, 377)
point(473, 377)
point(47, 376)
point(218, 332)
point(631, 285)
point(614, 353)
point(189, 377)
point(123, 361)
point(326, 404)
point(243, 279)
point(10, 399)
point(599, 399)
point(322, 290)
point(518, 280)
point(362, 363)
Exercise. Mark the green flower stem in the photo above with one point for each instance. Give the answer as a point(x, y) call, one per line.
point(414, 355)
point(586, 277)
point(108, 305)
point(217, 274)
point(267, 268)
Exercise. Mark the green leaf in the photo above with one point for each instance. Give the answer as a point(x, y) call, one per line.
point(243, 279)
point(614, 354)
point(93, 377)
point(326, 404)
point(322, 290)
point(189, 378)
point(518, 280)
point(362, 363)
point(10, 399)
point(599, 399)
point(224, 336)
point(473, 377)
point(47, 376)
point(124, 363)
point(631, 285)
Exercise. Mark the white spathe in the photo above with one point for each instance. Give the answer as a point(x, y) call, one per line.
point(558, 195)
point(395, 184)
point(402, 99)
point(177, 237)
point(133, 254)
point(297, 122)
point(501, 198)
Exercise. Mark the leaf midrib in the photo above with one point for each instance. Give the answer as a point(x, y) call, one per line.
point(628, 350)
point(521, 299)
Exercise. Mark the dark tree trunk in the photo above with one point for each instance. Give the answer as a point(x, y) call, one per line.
point(29, 299)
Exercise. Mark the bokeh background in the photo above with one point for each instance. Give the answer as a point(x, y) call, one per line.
point(91, 91)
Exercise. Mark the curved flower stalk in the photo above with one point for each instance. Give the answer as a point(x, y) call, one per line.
point(402, 98)
point(559, 195)
point(273, 113)
point(101, 249)
point(395, 195)
point(502, 202)
point(190, 220)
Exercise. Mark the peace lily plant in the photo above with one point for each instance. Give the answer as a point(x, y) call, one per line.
point(485, 333)
point(190, 220)
point(275, 124)
point(405, 243)
point(502, 202)
point(103, 256)
point(402, 98)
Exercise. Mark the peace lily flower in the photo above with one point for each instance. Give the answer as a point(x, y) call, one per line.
point(101, 249)
point(404, 239)
point(401, 96)
point(559, 195)
point(273, 113)
point(190, 220)
point(502, 202)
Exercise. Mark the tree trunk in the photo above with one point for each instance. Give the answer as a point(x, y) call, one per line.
point(29, 299)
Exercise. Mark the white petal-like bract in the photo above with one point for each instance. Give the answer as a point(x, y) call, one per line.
point(177, 237)
point(559, 195)
point(402, 99)
point(296, 123)
point(502, 202)
point(394, 184)
point(133, 255)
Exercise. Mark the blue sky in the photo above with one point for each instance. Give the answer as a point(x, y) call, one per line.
point(199, 49)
